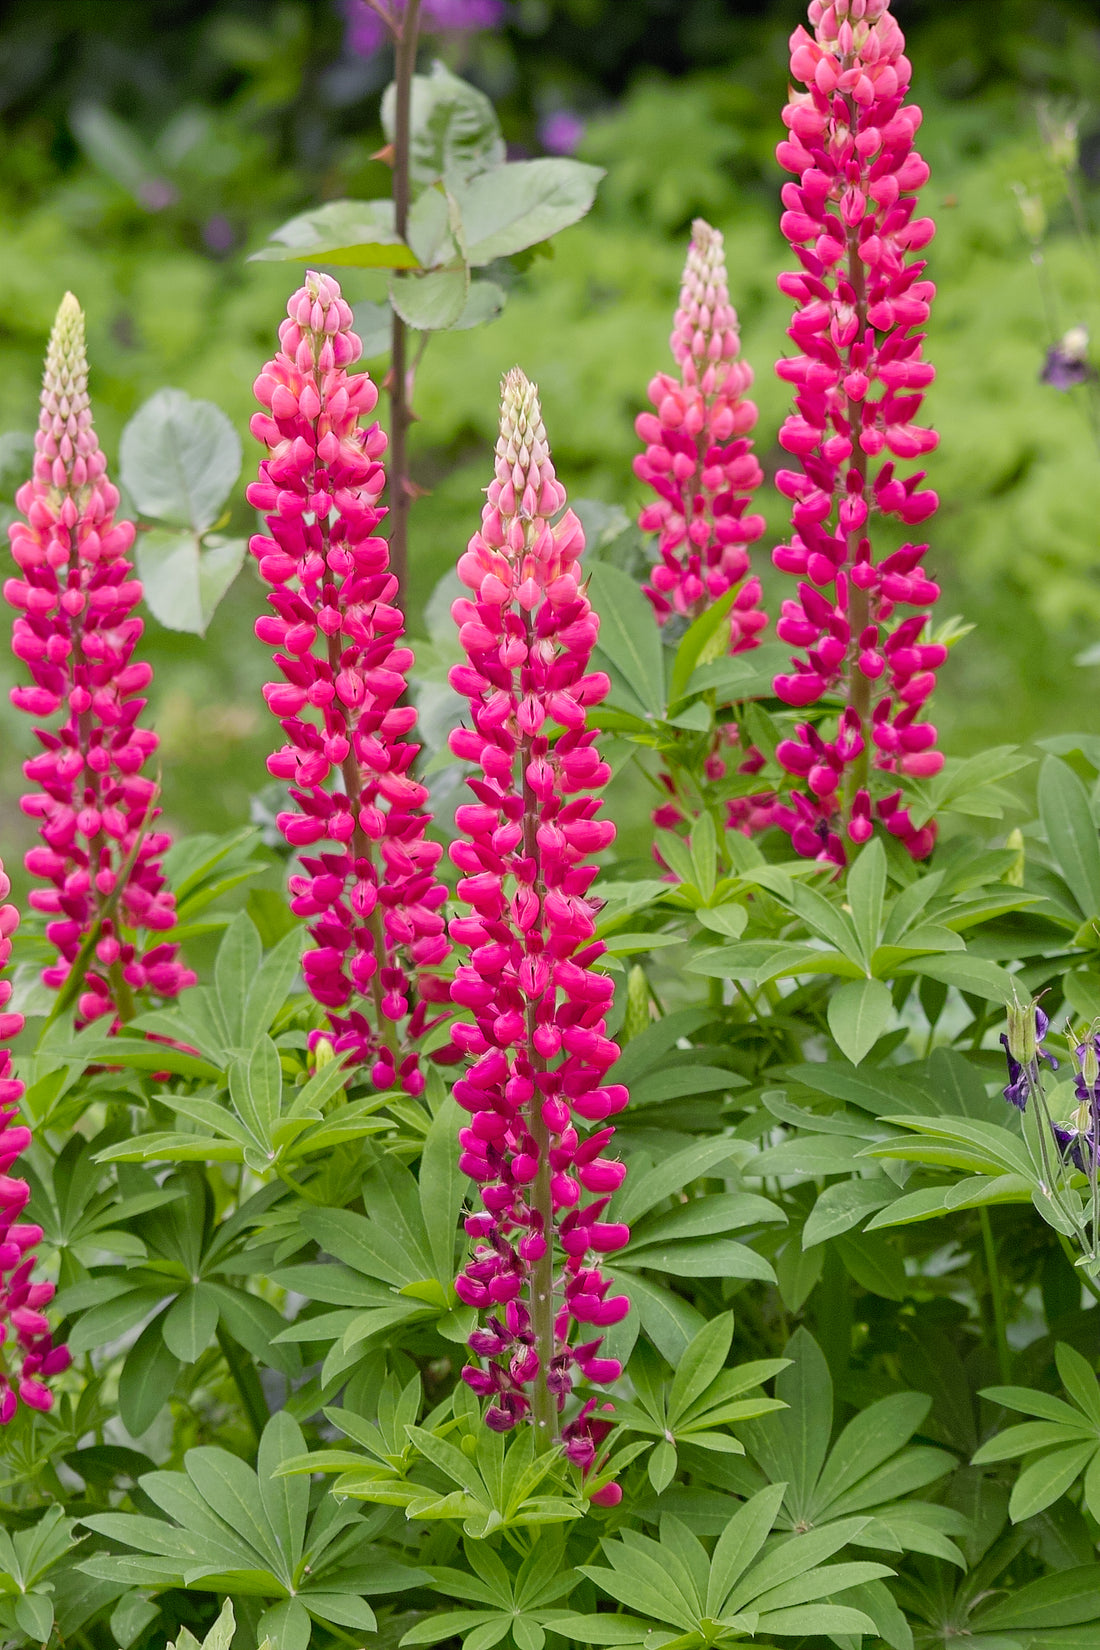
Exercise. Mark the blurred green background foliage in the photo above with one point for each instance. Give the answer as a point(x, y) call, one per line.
point(149, 148)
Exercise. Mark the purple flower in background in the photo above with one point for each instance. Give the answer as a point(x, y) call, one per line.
point(560, 133)
point(367, 30)
point(1067, 361)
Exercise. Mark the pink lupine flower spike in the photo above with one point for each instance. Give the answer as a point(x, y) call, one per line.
point(698, 457)
point(538, 1042)
point(859, 382)
point(76, 631)
point(28, 1356)
point(368, 886)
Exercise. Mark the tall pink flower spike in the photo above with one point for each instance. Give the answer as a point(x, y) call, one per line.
point(698, 458)
point(76, 632)
point(859, 381)
point(28, 1356)
point(538, 1042)
point(369, 887)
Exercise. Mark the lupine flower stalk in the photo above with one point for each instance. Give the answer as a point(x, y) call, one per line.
point(698, 457)
point(859, 381)
point(538, 1042)
point(28, 1356)
point(368, 886)
point(76, 631)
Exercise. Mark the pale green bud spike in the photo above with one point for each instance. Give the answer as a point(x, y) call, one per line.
point(1014, 876)
point(638, 1013)
point(66, 450)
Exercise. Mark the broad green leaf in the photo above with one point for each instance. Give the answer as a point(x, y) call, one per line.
point(286, 1625)
point(269, 989)
point(185, 577)
point(702, 1158)
point(739, 1544)
point(432, 300)
point(869, 1439)
point(1079, 1380)
point(1071, 831)
point(671, 1322)
point(178, 460)
point(514, 206)
point(285, 1499)
point(858, 1015)
point(230, 1489)
point(866, 888)
point(484, 302)
point(358, 234)
point(442, 1188)
point(874, 1264)
point(453, 128)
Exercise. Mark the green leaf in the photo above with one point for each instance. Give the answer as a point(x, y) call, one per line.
point(269, 988)
point(1079, 1380)
point(661, 1466)
point(356, 234)
point(285, 1499)
point(453, 128)
point(442, 1188)
point(511, 207)
point(235, 969)
point(969, 973)
point(858, 1015)
point(1060, 1600)
point(178, 460)
point(484, 302)
point(699, 1366)
point(147, 1379)
point(874, 1264)
point(1041, 1483)
point(190, 1322)
point(1071, 831)
point(185, 577)
point(696, 641)
point(629, 636)
point(739, 1544)
point(843, 1205)
point(286, 1625)
point(866, 888)
point(432, 300)
point(34, 1614)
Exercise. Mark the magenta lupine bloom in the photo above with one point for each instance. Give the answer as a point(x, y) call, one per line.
point(538, 1042)
point(859, 381)
point(698, 458)
point(28, 1356)
point(368, 886)
point(367, 30)
point(76, 632)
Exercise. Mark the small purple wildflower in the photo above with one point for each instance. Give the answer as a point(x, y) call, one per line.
point(560, 133)
point(367, 30)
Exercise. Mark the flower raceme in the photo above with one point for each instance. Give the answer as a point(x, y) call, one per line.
point(538, 1044)
point(367, 887)
point(76, 631)
point(28, 1356)
point(698, 457)
point(859, 380)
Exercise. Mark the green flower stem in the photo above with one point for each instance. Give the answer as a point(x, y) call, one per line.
point(400, 492)
point(996, 1297)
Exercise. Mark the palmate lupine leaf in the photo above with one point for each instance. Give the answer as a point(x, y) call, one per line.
point(229, 1529)
point(749, 1586)
point(1064, 1438)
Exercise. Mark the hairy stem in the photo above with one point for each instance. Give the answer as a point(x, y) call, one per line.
point(400, 410)
point(859, 606)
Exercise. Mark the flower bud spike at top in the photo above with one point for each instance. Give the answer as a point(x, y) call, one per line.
point(698, 457)
point(28, 1356)
point(539, 1105)
point(367, 882)
point(859, 380)
point(76, 633)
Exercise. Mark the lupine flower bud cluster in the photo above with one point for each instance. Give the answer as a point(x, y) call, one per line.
point(698, 458)
point(367, 886)
point(538, 1044)
point(859, 381)
point(76, 631)
point(28, 1356)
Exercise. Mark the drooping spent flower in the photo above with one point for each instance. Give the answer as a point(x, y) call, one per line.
point(698, 457)
point(536, 1087)
point(1028, 1025)
point(367, 886)
point(1067, 362)
point(76, 631)
point(859, 382)
point(28, 1356)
